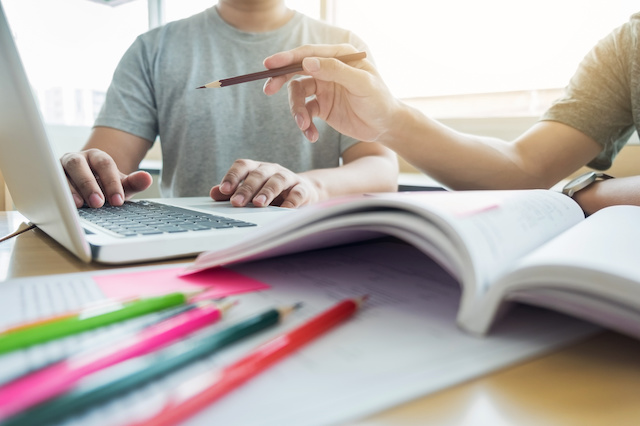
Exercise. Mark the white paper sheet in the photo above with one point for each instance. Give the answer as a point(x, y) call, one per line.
point(404, 343)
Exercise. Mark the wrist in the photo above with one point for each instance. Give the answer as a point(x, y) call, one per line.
point(587, 199)
point(411, 134)
point(403, 125)
point(584, 190)
point(317, 188)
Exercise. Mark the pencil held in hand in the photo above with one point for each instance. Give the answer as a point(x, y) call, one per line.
point(289, 69)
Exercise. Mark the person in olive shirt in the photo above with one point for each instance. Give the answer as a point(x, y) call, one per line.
point(587, 126)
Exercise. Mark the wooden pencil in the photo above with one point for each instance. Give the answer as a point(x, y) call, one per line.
point(289, 69)
point(194, 395)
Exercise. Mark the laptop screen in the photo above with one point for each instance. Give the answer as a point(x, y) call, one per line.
point(33, 174)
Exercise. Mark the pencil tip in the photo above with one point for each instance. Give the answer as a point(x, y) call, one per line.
point(201, 87)
point(287, 310)
point(226, 305)
point(360, 300)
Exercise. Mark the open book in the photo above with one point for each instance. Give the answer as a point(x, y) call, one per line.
point(531, 246)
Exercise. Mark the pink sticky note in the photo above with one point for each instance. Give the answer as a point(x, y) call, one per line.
point(224, 282)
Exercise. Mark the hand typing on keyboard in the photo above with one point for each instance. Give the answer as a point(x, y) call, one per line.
point(94, 177)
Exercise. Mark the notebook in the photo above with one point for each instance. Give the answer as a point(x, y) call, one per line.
point(40, 191)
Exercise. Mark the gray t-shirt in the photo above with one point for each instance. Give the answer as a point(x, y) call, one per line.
point(153, 93)
point(602, 99)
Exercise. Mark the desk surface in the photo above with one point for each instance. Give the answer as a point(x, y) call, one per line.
point(595, 382)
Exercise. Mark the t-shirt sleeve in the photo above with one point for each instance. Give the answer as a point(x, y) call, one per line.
point(130, 102)
point(597, 100)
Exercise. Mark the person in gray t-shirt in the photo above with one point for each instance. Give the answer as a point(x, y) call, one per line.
point(232, 142)
point(588, 126)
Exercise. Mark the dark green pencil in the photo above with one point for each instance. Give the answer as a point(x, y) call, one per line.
point(138, 371)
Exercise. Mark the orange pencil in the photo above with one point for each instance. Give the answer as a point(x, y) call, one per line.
point(192, 396)
point(57, 317)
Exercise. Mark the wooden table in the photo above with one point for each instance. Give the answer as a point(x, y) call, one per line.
point(595, 382)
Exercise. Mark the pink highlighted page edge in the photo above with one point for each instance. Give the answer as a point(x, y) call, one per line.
point(223, 282)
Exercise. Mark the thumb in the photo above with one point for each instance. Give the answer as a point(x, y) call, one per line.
point(136, 182)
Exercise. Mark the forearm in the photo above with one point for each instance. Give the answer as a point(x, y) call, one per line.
point(373, 173)
point(457, 160)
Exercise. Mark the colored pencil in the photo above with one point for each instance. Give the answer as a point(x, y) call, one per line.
point(274, 72)
point(194, 395)
point(109, 337)
point(101, 304)
point(91, 319)
point(60, 377)
point(131, 374)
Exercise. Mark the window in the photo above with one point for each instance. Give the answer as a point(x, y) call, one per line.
point(469, 57)
point(178, 9)
point(70, 49)
point(461, 58)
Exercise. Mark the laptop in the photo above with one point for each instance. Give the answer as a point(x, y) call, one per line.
point(40, 191)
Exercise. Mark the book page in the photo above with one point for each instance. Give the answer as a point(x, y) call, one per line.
point(404, 343)
point(520, 222)
point(496, 229)
point(591, 270)
point(475, 235)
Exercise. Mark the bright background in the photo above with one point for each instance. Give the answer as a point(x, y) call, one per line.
point(427, 51)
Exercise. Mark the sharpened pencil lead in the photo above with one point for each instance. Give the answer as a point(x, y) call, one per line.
point(362, 299)
point(224, 306)
point(194, 293)
point(286, 310)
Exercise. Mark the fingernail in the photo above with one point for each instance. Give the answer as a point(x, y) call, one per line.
point(238, 199)
point(266, 84)
point(311, 64)
point(95, 200)
point(310, 136)
point(225, 188)
point(77, 200)
point(260, 200)
point(117, 200)
point(299, 120)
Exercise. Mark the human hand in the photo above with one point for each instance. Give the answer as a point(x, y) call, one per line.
point(94, 177)
point(351, 98)
point(264, 184)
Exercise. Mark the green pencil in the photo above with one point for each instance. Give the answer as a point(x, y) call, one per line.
point(89, 320)
point(117, 380)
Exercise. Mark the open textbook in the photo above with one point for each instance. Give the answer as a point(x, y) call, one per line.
point(531, 246)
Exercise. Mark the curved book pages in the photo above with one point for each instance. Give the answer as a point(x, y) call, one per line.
point(531, 246)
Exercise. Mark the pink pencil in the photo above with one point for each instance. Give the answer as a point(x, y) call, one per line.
point(58, 378)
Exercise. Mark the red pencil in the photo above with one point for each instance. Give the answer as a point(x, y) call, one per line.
point(196, 394)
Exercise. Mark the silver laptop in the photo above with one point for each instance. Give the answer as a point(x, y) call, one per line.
point(40, 191)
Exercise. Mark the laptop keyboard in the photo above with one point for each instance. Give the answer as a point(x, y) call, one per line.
point(149, 218)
